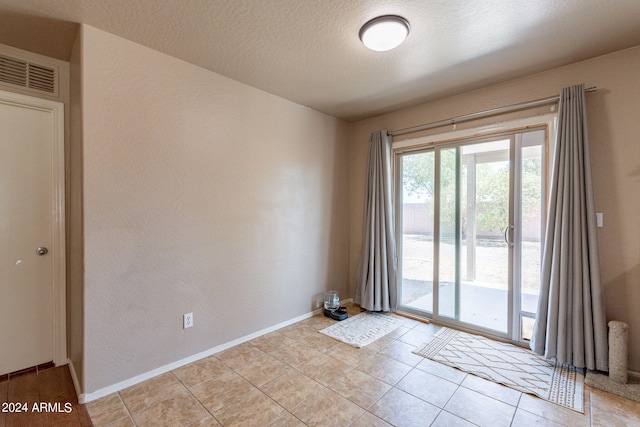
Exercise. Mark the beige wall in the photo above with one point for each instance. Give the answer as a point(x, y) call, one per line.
point(203, 195)
point(75, 244)
point(614, 131)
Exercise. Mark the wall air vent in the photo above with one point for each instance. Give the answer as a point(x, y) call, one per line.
point(27, 75)
point(13, 71)
point(41, 78)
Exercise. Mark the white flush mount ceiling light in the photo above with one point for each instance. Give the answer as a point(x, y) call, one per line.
point(384, 32)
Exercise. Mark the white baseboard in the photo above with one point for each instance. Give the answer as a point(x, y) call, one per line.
point(88, 397)
point(74, 377)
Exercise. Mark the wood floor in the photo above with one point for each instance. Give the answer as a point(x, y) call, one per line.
point(47, 395)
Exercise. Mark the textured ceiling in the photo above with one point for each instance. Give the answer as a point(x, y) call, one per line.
point(308, 51)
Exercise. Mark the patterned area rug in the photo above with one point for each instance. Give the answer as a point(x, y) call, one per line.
point(507, 364)
point(362, 329)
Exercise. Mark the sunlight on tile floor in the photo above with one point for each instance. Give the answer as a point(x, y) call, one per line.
point(296, 376)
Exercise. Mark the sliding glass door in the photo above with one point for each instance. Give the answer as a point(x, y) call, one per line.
point(417, 219)
point(474, 259)
point(470, 216)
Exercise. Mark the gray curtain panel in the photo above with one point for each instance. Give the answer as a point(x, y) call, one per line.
point(376, 288)
point(570, 326)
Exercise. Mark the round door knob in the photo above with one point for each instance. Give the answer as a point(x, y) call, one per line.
point(42, 251)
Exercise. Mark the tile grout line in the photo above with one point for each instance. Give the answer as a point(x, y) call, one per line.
point(147, 406)
point(126, 409)
point(449, 399)
point(351, 369)
point(517, 408)
point(262, 391)
point(196, 399)
point(513, 417)
point(273, 379)
point(393, 386)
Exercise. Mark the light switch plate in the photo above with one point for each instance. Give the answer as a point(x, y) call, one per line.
point(599, 219)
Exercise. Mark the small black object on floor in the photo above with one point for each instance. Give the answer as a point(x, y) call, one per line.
point(337, 314)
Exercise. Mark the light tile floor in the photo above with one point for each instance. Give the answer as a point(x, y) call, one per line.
point(296, 377)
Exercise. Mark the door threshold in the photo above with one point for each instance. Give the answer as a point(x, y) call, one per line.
point(36, 369)
point(413, 317)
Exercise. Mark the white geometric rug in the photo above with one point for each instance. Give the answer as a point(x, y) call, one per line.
point(507, 364)
point(362, 329)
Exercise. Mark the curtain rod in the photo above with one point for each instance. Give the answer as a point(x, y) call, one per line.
point(481, 114)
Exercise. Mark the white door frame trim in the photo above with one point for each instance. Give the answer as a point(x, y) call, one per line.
point(56, 109)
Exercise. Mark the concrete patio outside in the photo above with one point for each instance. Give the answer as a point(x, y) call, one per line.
point(484, 300)
point(479, 305)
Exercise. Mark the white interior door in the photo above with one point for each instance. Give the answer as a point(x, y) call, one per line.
point(30, 227)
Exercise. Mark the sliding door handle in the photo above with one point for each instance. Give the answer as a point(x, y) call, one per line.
point(507, 235)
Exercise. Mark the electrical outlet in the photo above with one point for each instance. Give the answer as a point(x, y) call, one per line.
point(188, 320)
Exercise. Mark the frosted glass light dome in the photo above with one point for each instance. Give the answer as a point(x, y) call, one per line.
point(384, 32)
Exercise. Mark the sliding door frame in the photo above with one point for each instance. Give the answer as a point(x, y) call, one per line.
point(513, 131)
